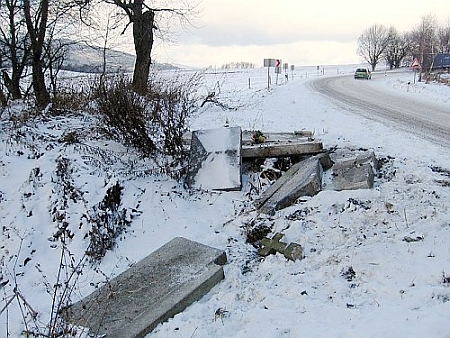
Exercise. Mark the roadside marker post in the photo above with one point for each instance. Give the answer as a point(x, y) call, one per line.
point(272, 63)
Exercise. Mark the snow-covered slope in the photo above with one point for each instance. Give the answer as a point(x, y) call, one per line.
point(376, 261)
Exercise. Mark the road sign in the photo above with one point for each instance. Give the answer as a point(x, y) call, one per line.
point(278, 63)
point(270, 63)
point(416, 64)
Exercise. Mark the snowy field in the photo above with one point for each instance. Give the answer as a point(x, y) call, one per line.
point(377, 262)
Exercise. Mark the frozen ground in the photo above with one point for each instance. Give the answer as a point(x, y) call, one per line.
point(376, 261)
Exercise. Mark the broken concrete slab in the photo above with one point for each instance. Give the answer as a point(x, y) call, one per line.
point(281, 149)
point(353, 178)
point(356, 172)
point(151, 291)
point(302, 179)
point(356, 160)
point(293, 251)
point(278, 137)
point(215, 159)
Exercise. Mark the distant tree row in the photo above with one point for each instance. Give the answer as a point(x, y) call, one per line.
point(238, 65)
point(380, 43)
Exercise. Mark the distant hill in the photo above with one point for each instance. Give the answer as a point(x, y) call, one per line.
point(89, 59)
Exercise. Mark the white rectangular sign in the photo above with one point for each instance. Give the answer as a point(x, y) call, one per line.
point(270, 63)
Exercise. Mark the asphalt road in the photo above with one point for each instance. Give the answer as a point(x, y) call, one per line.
point(362, 97)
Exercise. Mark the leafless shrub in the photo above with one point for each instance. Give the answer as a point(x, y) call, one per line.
point(60, 291)
point(70, 137)
point(68, 100)
point(124, 114)
point(153, 124)
point(445, 279)
point(108, 221)
point(171, 103)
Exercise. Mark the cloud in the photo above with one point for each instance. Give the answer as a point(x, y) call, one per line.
point(244, 35)
point(295, 53)
point(301, 33)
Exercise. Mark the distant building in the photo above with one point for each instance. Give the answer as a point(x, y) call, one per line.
point(441, 60)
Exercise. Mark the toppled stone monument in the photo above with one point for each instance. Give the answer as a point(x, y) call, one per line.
point(293, 251)
point(215, 159)
point(151, 291)
point(302, 179)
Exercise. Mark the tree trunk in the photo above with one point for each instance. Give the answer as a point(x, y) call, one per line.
point(39, 86)
point(143, 43)
point(37, 31)
point(17, 92)
point(12, 85)
point(3, 99)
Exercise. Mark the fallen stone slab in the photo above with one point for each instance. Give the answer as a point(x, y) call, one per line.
point(302, 179)
point(215, 159)
point(274, 137)
point(282, 149)
point(357, 172)
point(151, 291)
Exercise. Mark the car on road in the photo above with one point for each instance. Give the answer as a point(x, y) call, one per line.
point(363, 73)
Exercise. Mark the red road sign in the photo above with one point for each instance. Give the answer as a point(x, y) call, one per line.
point(416, 64)
point(278, 63)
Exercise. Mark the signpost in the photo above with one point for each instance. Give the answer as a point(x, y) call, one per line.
point(269, 63)
point(272, 63)
point(286, 67)
point(416, 65)
point(278, 70)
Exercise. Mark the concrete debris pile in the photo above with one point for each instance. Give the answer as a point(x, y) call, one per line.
point(217, 156)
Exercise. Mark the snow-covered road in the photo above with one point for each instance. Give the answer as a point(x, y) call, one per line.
point(426, 119)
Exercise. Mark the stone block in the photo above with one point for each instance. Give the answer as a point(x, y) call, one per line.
point(281, 149)
point(151, 291)
point(356, 172)
point(215, 159)
point(302, 179)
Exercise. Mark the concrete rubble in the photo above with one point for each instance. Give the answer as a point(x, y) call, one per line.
point(302, 179)
point(350, 171)
point(356, 171)
point(182, 271)
point(217, 155)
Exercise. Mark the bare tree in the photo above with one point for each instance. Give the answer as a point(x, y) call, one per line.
point(3, 98)
point(424, 42)
point(443, 39)
point(36, 21)
point(15, 45)
point(146, 19)
point(372, 44)
point(397, 48)
point(102, 26)
point(27, 34)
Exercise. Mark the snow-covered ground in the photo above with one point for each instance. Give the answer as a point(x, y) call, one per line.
point(377, 262)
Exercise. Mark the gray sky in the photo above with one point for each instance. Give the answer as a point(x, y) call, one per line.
point(296, 31)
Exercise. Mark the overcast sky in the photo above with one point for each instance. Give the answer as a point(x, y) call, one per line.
point(297, 31)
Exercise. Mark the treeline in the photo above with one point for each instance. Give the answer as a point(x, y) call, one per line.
point(238, 65)
point(427, 39)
